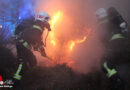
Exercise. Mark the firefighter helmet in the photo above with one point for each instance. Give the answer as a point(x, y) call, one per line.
point(101, 13)
point(43, 16)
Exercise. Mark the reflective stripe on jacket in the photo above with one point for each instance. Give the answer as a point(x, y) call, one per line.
point(110, 72)
point(17, 74)
point(24, 43)
point(117, 36)
point(37, 27)
point(104, 21)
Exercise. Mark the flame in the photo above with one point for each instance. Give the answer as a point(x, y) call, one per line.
point(72, 45)
point(59, 44)
point(75, 42)
point(53, 42)
point(53, 22)
point(55, 19)
point(81, 41)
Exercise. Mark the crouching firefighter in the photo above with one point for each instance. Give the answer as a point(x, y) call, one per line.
point(29, 36)
point(114, 40)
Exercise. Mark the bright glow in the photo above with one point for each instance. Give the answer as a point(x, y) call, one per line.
point(72, 45)
point(62, 38)
point(81, 41)
point(53, 42)
point(76, 42)
point(55, 18)
point(1, 26)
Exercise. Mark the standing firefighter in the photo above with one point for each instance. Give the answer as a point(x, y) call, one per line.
point(113, 34)
point(29, 36)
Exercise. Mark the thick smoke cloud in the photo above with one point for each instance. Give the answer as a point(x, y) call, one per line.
point(75, 25)
point(81, 14)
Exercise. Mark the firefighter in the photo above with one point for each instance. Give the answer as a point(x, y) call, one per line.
point(114, 19)
point(111, 24)
point(28, 36)
point(117, 20)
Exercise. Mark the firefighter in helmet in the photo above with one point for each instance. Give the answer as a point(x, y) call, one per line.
point(113, 34)
point(28, 36)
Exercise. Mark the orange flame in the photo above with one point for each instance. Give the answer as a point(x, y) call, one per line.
point(53, 40)
point(53, 22)
point(55, 18)
point(72, 45)
point(58, 50)
point(75, 42)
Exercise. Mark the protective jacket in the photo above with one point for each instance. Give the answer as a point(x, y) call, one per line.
point(28, 34)
point(115, 44)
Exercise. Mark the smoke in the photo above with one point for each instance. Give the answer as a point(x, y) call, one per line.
point(75, 24)
point(78, 19)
